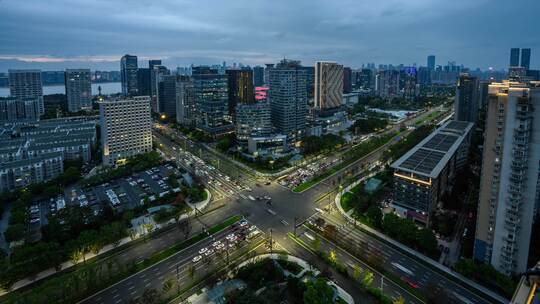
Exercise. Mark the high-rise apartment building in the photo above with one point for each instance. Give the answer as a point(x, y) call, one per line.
point(240, 88)
point(19, 110)
point(126, 129)
point(258, 76)
point(408, 78)
point(26, 84)
point(431, 62)
point(347, 80)
point(211, 100)
point(78, 89)
point(466, 99)
point(185, 101)
point(514, 57)
point(526, 58)
point(328, 85)
point(128, 75)
point(387, 84)
point(288, 98)
point(510, 185)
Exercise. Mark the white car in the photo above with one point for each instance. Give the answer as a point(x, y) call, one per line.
point(220, 246)
point(216, 243)
point(231, 237)
point(196, 258)
point(209, 252)
point(243, 223)
point(203, 250)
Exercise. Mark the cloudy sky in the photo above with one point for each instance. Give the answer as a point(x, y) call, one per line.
point(51, 34)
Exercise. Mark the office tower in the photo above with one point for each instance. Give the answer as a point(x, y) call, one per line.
point(509, 188)
point(409, 82)
point(288, 98)
point(267, 68)
point(310, 81)
point(387, 84)
point(514, 57)
point(153, 76)
point(240, 88)
point(143, 82)
point(156, 73)
point(258, 76)
point(167, 95)
point(128, 75)
point(328, 85)
point(211, 100)
point(466, 99)
point(425, 173)
point(185, 101)
point(126, 129)
point(347, 80)
point(78, 89)
point(526, 58)
point(26, 84)
point(252, 120)
point(431, 62)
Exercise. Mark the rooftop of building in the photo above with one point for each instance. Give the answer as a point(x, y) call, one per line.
point(431, 155)
point(27, 162)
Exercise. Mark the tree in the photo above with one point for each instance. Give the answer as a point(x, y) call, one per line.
point(316, 243)
point(15, 232)
point(399, 300)
point(427, 241)
point(367, 279)
point(168, 285)
point(191, 271)
point(332, 256)
point(150, 296)
point(318, 292)
point(374, 215)
point(357, 271)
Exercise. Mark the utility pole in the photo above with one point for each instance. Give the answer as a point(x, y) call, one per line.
point(295, 219)
point(270, 241)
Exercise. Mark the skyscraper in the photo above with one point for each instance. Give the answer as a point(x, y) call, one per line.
point(167, 95)
point(185, 101)
point(328, 85)
point(288, 98)
point(128, 75)
point(126, 129)
point(526, 58)
point(78, 89)
point(514, 57)
point(211, 100)
point(347, 80)
point(143, 82)
point(156, 73)
point(509, 188)
point(153, 80)
point(466, 99)
point(26, 84)
point(252, 120)
point(431, 62)
point(408, 82)
point(240, 88)
point(387, 83)
point(258, 76)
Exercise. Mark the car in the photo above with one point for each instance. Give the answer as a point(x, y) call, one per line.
point(196, 258)
point(252, 228)
point(230, 236)
point(203, 250)
point(216, 243)
point(267, 197)
point(243, 223)
point(220, 246)
point(209, 252)
point(410, 282)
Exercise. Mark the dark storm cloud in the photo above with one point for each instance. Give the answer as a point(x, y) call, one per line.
point(95, 33)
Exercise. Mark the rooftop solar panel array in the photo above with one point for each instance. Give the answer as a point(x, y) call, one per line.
point(423, 160)
point(457, 125)
point(441, 142)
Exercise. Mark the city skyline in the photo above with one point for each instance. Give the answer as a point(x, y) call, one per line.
point(258, 33)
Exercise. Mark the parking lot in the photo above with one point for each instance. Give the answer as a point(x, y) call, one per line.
point(121, 194)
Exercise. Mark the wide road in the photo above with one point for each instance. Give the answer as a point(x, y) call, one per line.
point(288, 207)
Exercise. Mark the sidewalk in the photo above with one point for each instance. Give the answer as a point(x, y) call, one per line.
point(432, 263)
point(139, 232)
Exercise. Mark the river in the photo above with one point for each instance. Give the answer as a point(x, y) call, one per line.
point(106, 88)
